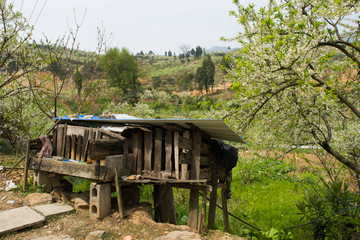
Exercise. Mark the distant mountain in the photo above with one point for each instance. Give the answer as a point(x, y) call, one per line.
point(219, 49)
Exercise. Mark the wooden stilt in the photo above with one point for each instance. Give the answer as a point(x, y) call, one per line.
point(202, 213)
point(26, 167)
point(225, 209)
point(118, 194)
point(193, 208)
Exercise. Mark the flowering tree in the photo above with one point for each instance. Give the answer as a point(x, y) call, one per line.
point(297, 75)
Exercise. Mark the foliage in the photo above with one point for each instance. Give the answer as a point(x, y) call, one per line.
point(290, 82)
point(122, 70)
point(205, 74)
point(272, 234)
point(78, 79)
point(332, 209)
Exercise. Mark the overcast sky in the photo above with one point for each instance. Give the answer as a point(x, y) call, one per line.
point(157, 25)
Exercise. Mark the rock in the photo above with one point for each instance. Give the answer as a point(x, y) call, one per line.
point(97, 235)
point(180, 235)
point(38, 199)
point(80, 200)
point(66, 197)
point(10, 202)
point(56, 193)
point(141, 213)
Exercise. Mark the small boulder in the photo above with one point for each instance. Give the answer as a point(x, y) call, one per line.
point(142, 213)
point(96, 235)
point(80, 200)
point(37, 199)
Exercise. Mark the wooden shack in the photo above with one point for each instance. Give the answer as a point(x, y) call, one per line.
point(127, 152)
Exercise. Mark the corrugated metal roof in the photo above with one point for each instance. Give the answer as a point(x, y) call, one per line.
point(216, 128)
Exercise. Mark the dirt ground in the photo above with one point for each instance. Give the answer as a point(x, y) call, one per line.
point(78, 224)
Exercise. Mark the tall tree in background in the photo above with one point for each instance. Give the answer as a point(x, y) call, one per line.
point(297, 75)
point(122, 70)
point(205, 74)
point(198, 52)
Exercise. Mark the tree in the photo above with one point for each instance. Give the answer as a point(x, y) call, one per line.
point(297, 75)
point(198, 52)
point(16, 55)
point(169, 53)
point(205, 74)
point(184, 49)
point(192, 52)
point(166, 53)
point(78, 80)
point(121, 70)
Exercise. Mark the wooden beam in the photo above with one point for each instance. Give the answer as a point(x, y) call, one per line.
point(27, 164)
point(193, 208)
point(81, 170)
point(202, 213)
point(195, 163)
point(184, 167)
point(119, 195)
point(168, 150)
point(148, 146)
point(73, 147)
point(99, 149)
point(187, 158)
point(158, 151)
point(225, 209)
point(111, 134)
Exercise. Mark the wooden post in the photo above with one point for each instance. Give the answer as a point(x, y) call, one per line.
point(118, 194)
point(26, 167)
point(140, 153)
point(168, 150)
point(193, 208)
point(73, 147)
point(63, 141)
point(148, 145)
point(59, 137)
point(184, 167)
point(224, 208)
point(85, 145)
point(202, 213)
point(213, 193)
point(195, 162)
point(176, 154)
point(158, 152)
point(67, 146)
point(164, 204)
point(79, 147)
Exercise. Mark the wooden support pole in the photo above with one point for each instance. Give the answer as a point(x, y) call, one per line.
point(118, 194)
point(164, 204)
point(213, 193)
point(195, 163)
point(26, 167)
point(168, 150)
point(224, 208)
point(193, 208)
point(202, 213)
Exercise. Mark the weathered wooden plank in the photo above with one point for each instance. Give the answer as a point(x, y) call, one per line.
point(176, 154)
point(158, 151)
point(173, 128)
point(195, 163)
point(81, 170)
point(184, 167)
point(213, 193)
point(73, 147)
point(168, 150)
point(225, 209)
point(27, 165)
point(135, 149)
point(67, 146)
point(148, 145)
point(54, 141)
point(140, 153)
point(205, 148)
point(111, 134)
point(202, 212)
point(187, 158)
point(79, 143)
point(193, 208)
point(60, 133)
point(185, 142)
point(63, 146)
point(99, 149)
point(85, 145)
point(119, 195)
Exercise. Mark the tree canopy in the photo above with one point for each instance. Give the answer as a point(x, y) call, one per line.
point(205, 74)
point(121, 69)
point(296, 75)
